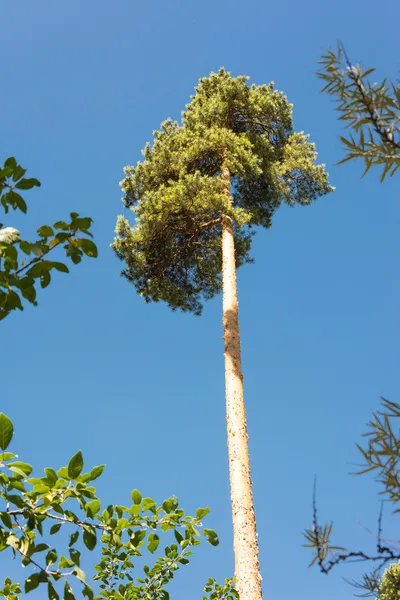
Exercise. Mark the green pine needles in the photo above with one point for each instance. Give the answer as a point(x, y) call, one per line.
point(174, 252)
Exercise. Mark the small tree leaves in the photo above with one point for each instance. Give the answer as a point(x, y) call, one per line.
point(89, 538)
point(21, 468)
point(6, 431)
point(212, 536)
point(79, 574)
point(88, 247)
point(96, 472)
point(45, 231)
point(61, 225)
point(27, 184)
point(73, 539)
point(55, 528)
point(65, 500)
point(75, 465)
point(92, 508)
point(153, 542)
point(136, 497)
point(32, 582)
point(10, 163)
point(221, 592)
point(68, 595)
point(18, 276)
point(201, 513)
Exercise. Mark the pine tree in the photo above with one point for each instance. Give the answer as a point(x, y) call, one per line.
point(202, 187)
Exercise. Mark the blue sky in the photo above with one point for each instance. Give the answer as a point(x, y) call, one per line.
point(84, 84)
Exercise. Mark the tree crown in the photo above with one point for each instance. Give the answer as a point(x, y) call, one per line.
point(173, 252)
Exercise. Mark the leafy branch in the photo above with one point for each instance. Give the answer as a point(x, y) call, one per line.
point(32, 507)
point(372, 111)
point(18, 277)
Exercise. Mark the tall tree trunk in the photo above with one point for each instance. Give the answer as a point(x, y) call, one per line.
point(247, 567)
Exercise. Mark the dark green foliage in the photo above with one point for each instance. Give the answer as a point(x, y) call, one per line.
point(23, 264)
point(370, 110)
point(173, 253)
point(34, 510)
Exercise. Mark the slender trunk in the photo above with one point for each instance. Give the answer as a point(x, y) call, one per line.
point(247, 567)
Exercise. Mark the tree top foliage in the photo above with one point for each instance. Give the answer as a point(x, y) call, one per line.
point(173, 252)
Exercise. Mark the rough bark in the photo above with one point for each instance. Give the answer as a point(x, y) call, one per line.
point(247, 567)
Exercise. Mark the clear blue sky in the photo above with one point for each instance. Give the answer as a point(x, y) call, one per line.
point(84, 84)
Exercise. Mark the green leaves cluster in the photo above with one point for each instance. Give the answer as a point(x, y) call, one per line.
point(12, 179)
point(10, 590)
point(370, 110)
point(173, 253)
point(23, 264)
point(38, 515)
point(221, 592)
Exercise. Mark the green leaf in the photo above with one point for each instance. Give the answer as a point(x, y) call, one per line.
point(169, 505)
point(61, 225)
point(32, 582)
point(7, 456)
point(10, 162)
point(75, 465)
point(137, 537)
point(45, 231)
point(20, 467)
point(79, 574)
point(51, 475)
point(96, 472)
point(25, 247)
point(153, 542)
point(29, 293)
point(63, 473)
point(178, 536)
point(27, 184)
point(60, 267)
point(6, 431)
point(92, 508)
point(387, 168)
point(346, 142)
point(88, 247)
point(73, 538)
point(201, 513)
point(51, 592)
point(6, 172)
point(211, 536)
point(15, 200)
point(51, 557)
point(40, 547)
point(88, 592)
point(68, 595)
point(65, 563)
point(89, 539)
point(136, 497)
point(55, 528)
point(5, 517)
point(18, 172)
